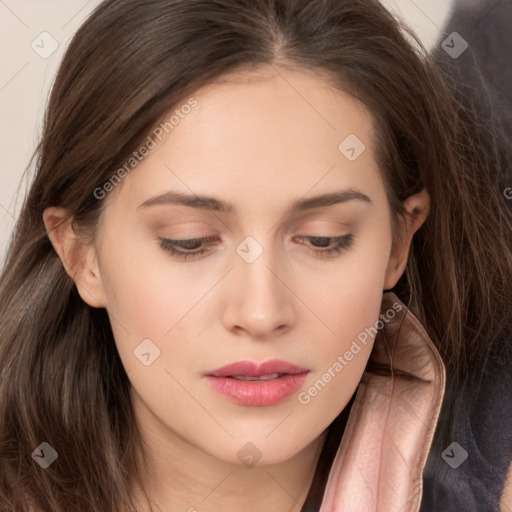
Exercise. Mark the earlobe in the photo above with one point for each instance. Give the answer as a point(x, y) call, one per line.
point(78, 256)
point(418, 208)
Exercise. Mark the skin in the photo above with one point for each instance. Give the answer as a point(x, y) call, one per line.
point(261, 142)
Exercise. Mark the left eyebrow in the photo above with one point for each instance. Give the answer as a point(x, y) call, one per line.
point(217, 205)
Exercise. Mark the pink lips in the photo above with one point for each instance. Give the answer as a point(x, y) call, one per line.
point(263, 384)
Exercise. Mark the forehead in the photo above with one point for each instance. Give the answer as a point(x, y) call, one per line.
point(258, 134)
point(264, 108)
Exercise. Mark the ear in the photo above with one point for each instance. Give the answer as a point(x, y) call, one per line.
point(77, 255)
point(418, 208)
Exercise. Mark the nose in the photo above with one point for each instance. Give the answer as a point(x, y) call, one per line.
point(262, 303)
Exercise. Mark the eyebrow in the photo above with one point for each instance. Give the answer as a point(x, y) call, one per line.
point(217, 205)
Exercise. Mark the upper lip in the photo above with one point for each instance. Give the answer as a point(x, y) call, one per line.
point(253, 369)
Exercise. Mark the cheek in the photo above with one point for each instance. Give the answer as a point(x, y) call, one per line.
point(350, 295)
point(350, 305)
point(150, 298)
point(146, 291)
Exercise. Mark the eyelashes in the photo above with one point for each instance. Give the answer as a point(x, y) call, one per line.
point(328, 247)
point(183, 249)
point(338, 244)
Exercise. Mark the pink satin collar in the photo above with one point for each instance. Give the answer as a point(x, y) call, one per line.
point(380, 460)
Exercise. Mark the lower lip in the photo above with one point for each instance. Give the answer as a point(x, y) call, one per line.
point(258, 393)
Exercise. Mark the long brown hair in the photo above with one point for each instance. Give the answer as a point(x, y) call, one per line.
point(62, 381)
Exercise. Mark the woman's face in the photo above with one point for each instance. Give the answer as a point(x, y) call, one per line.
point(288, 166)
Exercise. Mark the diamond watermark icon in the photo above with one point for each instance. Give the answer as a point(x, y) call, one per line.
point(146, 352)
point(454, 45)
point(44, 45)
point(44, 455)
point(351, 147)
point(249, 249)
point(454, 455)
point(249, 455)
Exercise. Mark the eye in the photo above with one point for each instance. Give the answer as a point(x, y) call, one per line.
point(195, 246)
point(185, 248)
point(338, 244)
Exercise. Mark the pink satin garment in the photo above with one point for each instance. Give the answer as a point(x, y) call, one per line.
point(379, 463)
